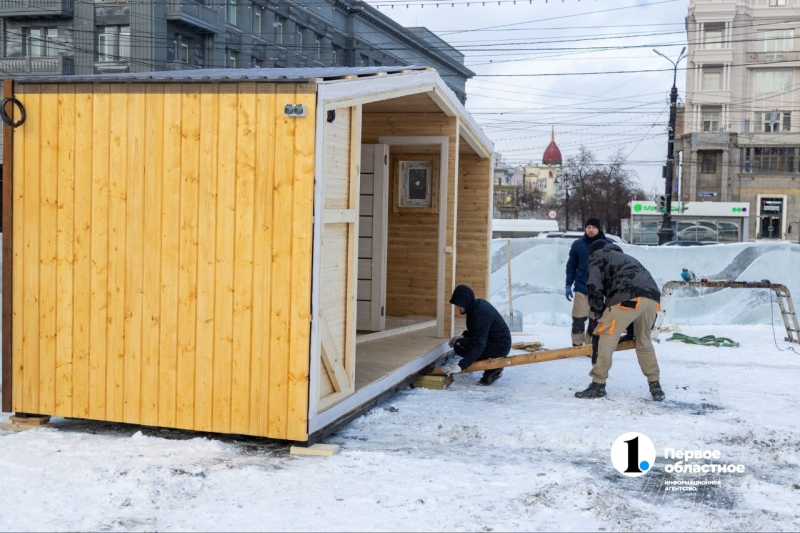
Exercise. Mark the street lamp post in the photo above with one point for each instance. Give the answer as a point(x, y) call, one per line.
point(665, 232)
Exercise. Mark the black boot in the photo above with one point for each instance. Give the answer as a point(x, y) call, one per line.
point(490, 376)
point(595, 390)
point(655, 390)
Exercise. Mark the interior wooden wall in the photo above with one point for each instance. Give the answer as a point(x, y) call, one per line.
point(474, 223)
point(162, 255)
point(418, 231)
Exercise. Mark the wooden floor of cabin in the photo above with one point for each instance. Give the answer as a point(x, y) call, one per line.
point(377, 358)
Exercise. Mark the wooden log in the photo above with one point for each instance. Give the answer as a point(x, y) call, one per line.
point(538, 357)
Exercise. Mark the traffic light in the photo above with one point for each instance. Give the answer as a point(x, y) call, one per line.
point(662, 204)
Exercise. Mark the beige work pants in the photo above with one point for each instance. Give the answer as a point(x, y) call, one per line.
point(614, 321)
point(580, 315)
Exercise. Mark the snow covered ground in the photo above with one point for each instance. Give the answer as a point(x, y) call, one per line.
point(521, 455)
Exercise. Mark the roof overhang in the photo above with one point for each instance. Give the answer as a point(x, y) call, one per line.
point(335, 94)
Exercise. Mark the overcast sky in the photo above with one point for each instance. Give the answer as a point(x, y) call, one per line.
point(604, 111)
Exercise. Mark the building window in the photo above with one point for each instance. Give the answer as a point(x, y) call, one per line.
point(772, 121)
point(770, 160)
point(258, 63)
point(298, 39)
point(258, 16)
point(336, 56)
point(772, 81)
point(231, 58)
point(777, 2)
point(775, 41)
point(40, 42)
point(279, 24)
point(712, 81)
point(113, 43)
point(318, 47)
point(415, 184)
point(542, 184)
point(364, 61)
point(713, 39)
point(711, 122)
point(708, 164)
point(180, 49)
point(230, 11)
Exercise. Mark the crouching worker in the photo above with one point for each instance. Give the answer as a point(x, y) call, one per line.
point(621, 292)
point(486, 337)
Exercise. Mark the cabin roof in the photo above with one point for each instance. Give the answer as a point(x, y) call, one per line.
point(292, 75)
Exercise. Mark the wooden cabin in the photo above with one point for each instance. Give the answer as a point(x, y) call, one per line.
point(263, 252)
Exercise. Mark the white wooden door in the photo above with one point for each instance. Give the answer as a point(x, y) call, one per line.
point(372, 237)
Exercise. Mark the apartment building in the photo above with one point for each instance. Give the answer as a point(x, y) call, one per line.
point(739, 133)
point(93, 37)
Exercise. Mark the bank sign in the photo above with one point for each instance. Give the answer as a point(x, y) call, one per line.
point(704, 209)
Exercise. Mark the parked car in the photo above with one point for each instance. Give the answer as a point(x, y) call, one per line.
point(685, 243)
point(575, 235)
point(698, 233)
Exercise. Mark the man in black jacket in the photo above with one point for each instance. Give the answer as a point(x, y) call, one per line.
point(486, 337)
point(621, 292)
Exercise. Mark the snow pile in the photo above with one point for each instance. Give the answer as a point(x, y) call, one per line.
point(538, 274)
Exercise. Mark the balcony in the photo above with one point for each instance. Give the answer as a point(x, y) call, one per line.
point(713, 56)
point(768, 58)
point(709, 141)
point(193, 14)
point(38, 66)
point(36, 8)
point(715, 97)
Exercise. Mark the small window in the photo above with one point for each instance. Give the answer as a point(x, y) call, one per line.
point(708, 164)
point(335, 56)
point(231, 58)
point(777, 2)
point(298, 40)
point(230, 11)
point(542, 184)
point(713, 39)
point(318, 47)
point(258, 13)
point(279, 24)
point(258, 63)
point(180, 49)
point(711, 81)
point(40, 42)
point(711, 122)
point(364, 61)
point(113, 43)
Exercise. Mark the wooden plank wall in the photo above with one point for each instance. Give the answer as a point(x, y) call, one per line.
point(400, 275)
point(474, 220)
point(162, 255)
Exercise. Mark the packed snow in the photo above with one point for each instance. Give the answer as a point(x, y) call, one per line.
point(521, 455)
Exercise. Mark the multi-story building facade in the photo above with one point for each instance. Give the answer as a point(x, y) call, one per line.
point(83, 37)
point(739, 131)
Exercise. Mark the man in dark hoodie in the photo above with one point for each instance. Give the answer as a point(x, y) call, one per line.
point(577, 267)
point(486, 337)
point(621, 292)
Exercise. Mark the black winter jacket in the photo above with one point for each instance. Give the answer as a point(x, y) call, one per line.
point(578, 262)
point(615, 277)
point(486, 329)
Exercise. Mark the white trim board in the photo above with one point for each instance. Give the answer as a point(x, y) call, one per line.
point(444, 143)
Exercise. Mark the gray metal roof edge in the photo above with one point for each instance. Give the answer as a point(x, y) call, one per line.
point(275, 75)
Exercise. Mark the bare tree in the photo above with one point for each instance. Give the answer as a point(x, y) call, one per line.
point(592, 189)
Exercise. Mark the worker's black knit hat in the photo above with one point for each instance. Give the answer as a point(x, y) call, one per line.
point(596, 245)
point(594, 222)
